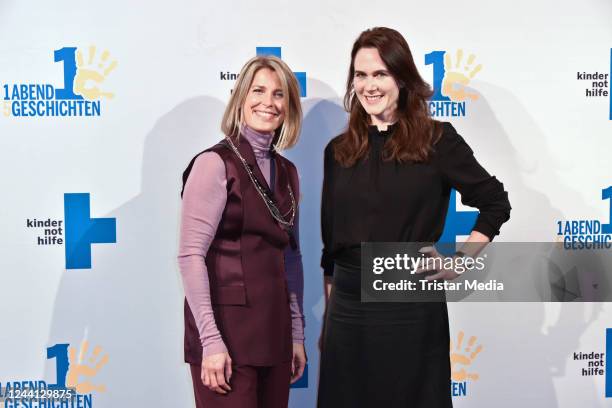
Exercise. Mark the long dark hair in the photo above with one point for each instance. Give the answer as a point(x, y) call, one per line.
point(415, 131)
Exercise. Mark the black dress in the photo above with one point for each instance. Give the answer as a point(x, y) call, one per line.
point(393, 354)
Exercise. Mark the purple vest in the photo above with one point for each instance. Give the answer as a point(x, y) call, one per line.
point(246, 268)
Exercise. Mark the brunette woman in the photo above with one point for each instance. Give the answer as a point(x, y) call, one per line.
point(388, 178)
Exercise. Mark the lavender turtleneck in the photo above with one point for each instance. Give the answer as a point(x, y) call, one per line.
point(204, 199)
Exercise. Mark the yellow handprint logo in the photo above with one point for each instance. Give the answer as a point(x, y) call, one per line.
point(461, 359)
point(457, 77)
point(87, 370)
point(91, 74)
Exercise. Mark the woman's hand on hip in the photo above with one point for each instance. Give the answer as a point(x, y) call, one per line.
point(217, 372)
point(444, 273)
point(298, 362)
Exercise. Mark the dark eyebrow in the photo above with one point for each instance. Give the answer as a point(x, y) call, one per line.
point(379, 71)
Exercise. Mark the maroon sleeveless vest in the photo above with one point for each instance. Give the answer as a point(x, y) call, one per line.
point(246, 268)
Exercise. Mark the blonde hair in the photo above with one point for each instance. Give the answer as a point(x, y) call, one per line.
point(234, 117)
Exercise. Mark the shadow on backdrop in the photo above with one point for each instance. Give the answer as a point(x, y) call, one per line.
point(130, 302)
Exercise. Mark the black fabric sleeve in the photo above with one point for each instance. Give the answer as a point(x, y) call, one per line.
point(478, 188)
point(327, 262)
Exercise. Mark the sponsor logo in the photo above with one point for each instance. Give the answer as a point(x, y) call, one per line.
point(608, 362)
point(462, 356)
point(457, 223)
point(81, 94)
point(595, 363)
point(596, 84)
point(77, 231)
point(591, 364)
point(587, 233)
point(451, 77)
point(263, 51)
point(303, 381)
point(75, 380)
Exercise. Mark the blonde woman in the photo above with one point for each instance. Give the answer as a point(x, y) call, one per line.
point(239, 252)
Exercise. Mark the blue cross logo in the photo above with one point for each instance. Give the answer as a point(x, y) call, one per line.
point(82, 231)
point(457, 222)
point(607, 372)
point(302, 382)
point(276, 51)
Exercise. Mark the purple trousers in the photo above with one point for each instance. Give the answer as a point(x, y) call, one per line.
point(252, 387)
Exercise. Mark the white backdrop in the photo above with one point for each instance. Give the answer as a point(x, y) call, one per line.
point(531, 125)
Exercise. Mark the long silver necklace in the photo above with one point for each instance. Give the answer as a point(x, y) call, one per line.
point(268, 201)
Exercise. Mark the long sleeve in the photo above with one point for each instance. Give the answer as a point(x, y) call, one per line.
point(204, 199)
point(327, 262)
point(478, 188)
point(295, 283)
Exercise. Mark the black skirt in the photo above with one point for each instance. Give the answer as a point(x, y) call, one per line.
point(382, 354)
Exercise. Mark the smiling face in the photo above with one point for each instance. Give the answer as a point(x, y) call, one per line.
point(264, 105)
point(374, 86)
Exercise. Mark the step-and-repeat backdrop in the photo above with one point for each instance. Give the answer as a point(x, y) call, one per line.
point(103, 104)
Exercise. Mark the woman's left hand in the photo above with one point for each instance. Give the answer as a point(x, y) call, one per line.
point(443, 273)
point(298, 362)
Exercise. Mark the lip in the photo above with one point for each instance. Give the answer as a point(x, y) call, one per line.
point(373, 99)
point(265, 114)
